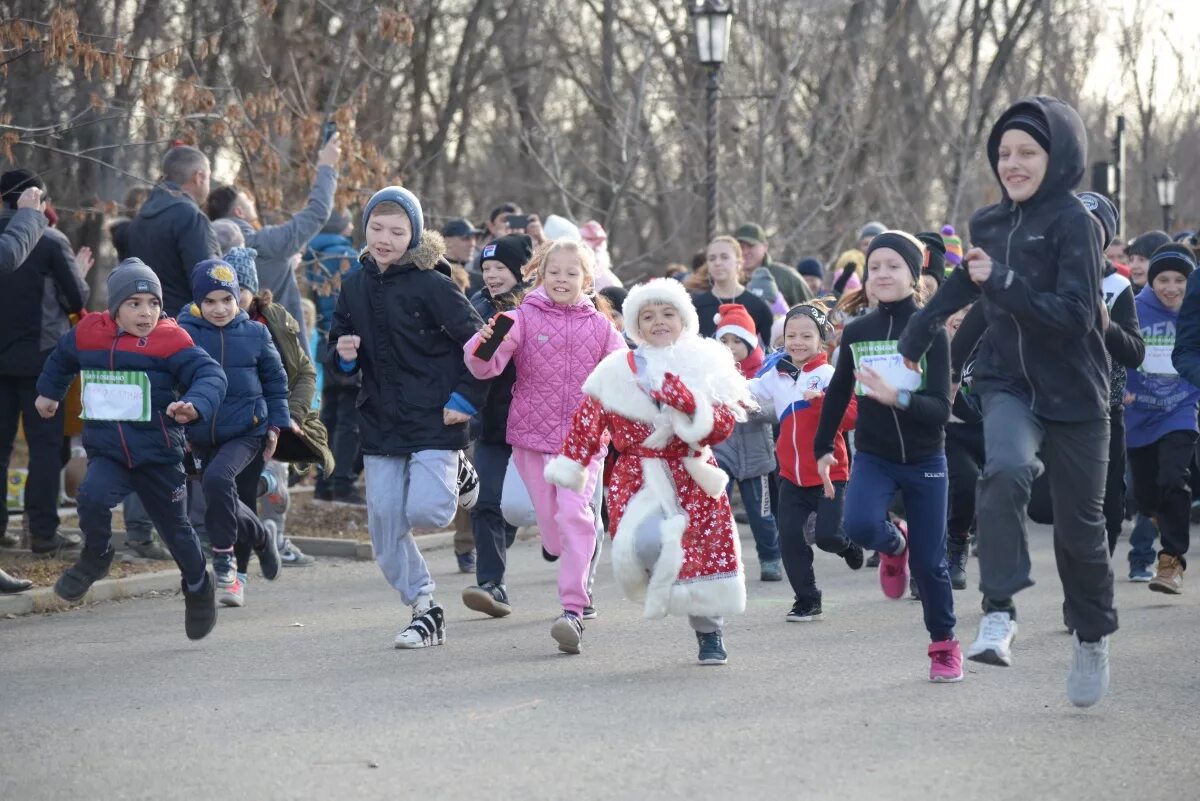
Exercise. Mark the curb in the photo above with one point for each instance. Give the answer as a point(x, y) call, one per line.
point(44, 599)
point(362, 550)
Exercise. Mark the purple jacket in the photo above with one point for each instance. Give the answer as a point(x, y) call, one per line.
point(555, 348)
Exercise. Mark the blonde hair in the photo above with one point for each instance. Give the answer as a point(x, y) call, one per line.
point(310, 312)
point(388, 208)
point(699, 280)
point(535, 270)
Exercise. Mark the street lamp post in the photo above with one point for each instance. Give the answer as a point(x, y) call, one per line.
point(1166, 184)
point(711, 21)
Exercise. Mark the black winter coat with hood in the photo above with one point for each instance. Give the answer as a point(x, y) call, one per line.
point(1044, 341)
point(414, 322)
point(171, 234)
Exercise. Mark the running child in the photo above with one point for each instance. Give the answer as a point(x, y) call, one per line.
point(558, 336)
point(794, 386)
point(675, 546)
point(136, 446)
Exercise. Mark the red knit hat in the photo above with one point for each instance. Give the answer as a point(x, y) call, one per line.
point(732, 318)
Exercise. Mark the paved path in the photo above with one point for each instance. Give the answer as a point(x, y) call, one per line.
point(112, 702)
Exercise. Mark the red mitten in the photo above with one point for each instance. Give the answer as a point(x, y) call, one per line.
point(675, 395)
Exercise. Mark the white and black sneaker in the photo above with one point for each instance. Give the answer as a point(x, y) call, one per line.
point(993, 646)
point(468, 482)
point(426, 629)
point(567, 631)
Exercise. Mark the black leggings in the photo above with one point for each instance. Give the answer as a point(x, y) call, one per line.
point(247, 489)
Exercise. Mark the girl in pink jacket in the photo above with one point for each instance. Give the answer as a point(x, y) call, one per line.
point(558, 336)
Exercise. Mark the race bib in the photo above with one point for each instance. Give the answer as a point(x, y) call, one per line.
point(115, 395)
point(883, 357)
point(1158, 356)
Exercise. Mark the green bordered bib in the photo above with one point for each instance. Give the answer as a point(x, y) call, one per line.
point(883, 356)
point(115, 395)
point(1158, 356)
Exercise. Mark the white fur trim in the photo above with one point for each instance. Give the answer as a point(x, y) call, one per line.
point(751, 340)
point(695, 428)
point(615, 386)
point(667, 291)
point(708, 477)
point(566, 472)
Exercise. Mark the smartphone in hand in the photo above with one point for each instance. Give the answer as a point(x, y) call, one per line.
point(500, 328)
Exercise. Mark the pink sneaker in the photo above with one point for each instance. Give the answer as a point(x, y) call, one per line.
point(945, 661)
point(893, 570)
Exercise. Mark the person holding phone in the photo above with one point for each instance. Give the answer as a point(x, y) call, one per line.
point(900, 441)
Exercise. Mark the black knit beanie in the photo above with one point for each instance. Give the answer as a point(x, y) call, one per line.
point(1148, 243)
point(1172, 257)
point(1032, 121)
point(513, 251)
point(14, 182)
point(908, 246)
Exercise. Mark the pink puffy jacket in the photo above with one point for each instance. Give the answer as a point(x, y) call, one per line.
point(556, 347)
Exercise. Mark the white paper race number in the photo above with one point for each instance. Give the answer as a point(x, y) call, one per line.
point(1158, 356)
point(883, 358)
point(115, 395)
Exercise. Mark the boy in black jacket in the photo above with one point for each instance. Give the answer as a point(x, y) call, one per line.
point(403, 324)
point(1041, 372)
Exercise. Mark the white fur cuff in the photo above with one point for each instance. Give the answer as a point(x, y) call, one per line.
point(567, 473)
point(693, 430)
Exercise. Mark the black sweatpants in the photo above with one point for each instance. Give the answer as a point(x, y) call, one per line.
point(795, 505)
point(1160, 484)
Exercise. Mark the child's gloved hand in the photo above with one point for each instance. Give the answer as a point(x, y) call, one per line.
point(45, 406)
point(675, 395)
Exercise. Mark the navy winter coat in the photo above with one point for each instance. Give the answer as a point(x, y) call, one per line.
point(257, 392)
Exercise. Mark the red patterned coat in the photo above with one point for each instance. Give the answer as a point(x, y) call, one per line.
point(666, 469)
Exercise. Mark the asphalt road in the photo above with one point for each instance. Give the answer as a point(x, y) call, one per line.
point(112, 702)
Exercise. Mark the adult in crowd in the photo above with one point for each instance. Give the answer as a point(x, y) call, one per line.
point(170, 232)
point(753, 241)
point(813, 274)
point(35, 299)
point(595, 237)
point(277, 244)
point(22, 229)
point(460, 250)
point(497, 226)
point(718, 282)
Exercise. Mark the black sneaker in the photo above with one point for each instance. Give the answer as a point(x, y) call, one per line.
point(55, 543)
point(349, 497)
point(12, 584)
point(712, 650)
point(567, 631)
point(957, 560)
point(150, 549)
point(489, 598)
point(268, 555)
point(872, 560)
point(425, 630)
point(549, 557)
point(804, 612)
point(200, 608)
point(853, 554)
point(74, 583)
point(468, 482)
point(323, 495)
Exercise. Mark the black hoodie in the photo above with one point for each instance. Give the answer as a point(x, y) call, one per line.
point(171, 234)
point(1044, 342)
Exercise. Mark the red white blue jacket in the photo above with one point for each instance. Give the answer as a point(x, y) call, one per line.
point(175, 367)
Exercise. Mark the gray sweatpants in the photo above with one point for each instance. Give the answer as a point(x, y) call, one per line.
point(403, 492)
point(1076, 457)
point(647, 546)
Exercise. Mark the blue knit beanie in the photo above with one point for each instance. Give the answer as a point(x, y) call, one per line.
point(211, 275)
point(407, 201)
point(810, 267)
point(242, 261)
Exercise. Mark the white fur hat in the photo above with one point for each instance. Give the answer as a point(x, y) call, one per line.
point(556, 228)
point(666, 291)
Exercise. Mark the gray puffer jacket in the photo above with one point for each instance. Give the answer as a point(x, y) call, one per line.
point(749, 452)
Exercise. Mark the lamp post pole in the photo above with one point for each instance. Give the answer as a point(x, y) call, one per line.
point(713, 92)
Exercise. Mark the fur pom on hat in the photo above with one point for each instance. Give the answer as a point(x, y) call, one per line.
point(666, 291)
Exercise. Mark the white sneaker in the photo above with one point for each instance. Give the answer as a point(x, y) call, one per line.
point(993, 646)
point(468, 482)
point(426, 629)
point(1088, 680)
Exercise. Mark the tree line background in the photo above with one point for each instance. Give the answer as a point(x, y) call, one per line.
point(834, 112)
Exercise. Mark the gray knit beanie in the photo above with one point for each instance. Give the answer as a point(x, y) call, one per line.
point(131, 277)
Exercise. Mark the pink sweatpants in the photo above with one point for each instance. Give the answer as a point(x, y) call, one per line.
point(566, 521)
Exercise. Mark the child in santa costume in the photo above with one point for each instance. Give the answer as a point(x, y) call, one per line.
point(675, 546)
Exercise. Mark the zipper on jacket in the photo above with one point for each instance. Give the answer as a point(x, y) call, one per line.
point(221, 333)
point(1020, 337)
point(795, 445)
point(895, 416)
point(112, 365)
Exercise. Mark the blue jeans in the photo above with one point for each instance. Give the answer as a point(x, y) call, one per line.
point(924, 486)
point(493, 535)
point(1141, 542)
point(756, 497)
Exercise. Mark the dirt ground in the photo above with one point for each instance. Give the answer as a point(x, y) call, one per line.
point(43, 571)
